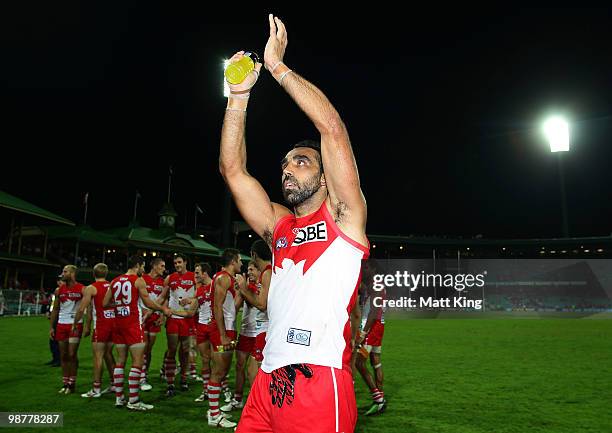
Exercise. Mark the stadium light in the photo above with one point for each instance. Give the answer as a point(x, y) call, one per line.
point(556, 130)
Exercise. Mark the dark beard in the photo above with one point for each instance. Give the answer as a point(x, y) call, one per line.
point(300, 194)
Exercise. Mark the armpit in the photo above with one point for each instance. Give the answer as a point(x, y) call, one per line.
point(340, 211)
point(267, 237)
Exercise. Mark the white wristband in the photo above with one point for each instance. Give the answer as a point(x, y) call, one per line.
point(239, 95)
point(274, 67)
point(283, 75)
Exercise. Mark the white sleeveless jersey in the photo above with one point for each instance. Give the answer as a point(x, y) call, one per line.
point(261, 317)
point(204, 297)
point(229, 305)
point(261, 321)
point(247, 327)
point(69, 302)
point(316, 270)
point(180, 286)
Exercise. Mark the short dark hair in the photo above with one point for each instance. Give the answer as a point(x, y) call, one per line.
point(181, 255)
point(312, 144)
point(134, 261)
point(204, 267)
point(155, 261)
point(261, 249)
point(229, 255)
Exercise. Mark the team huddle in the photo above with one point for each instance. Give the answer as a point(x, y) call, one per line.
point(200, 311)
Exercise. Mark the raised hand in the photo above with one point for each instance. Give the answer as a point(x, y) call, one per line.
point(277, 43)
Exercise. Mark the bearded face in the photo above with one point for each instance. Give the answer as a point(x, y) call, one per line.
point(296, 192)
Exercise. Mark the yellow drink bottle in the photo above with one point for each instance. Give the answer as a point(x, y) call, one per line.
point(221, 348)
point(235, 73)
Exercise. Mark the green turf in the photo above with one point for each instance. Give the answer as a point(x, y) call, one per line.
point(443, 375)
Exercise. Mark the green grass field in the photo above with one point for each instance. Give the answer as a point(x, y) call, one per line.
point(443, 375)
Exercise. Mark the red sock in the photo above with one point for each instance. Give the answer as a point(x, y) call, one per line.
point(170, 371)
point(134, 383)
point(205, 378)
point(378, 396)
point(214, 390)
point(118, 378)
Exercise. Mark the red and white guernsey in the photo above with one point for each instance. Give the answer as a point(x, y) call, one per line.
point(154, 287)
point(316, 271)
point(126, 296)
point(229, 306)
point(248, 325)
point(203, 294)
point(102, 316)
point(181, 286)
point(261, 317)
point(69, 301)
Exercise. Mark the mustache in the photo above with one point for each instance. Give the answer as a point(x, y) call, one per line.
point(289, 177)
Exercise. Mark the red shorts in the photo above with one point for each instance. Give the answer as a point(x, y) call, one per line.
point(375, 336)
point(178, 327)
point(215, 337)
point(128, 333)
point(203, 333)
point(245, 344)
point(149, 326)
point(63, 331)
point(193, 326)
point(260, 343)
point(323, 403)
point(103, 333)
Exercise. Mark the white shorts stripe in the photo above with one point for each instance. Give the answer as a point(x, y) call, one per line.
point(335, 394)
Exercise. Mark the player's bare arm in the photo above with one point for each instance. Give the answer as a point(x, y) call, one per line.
point(251, 199)
point(107, 301)
point(88, 320)
point(88, 293)
point(241, 282)
point(260, 300)
point(190, 311)
point(141, 285)
point(346, 199)
point(222, 284)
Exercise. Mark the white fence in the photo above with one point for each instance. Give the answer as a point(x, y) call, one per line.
point(22, 303)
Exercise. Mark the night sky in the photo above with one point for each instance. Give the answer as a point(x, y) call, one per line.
point(443, 107)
